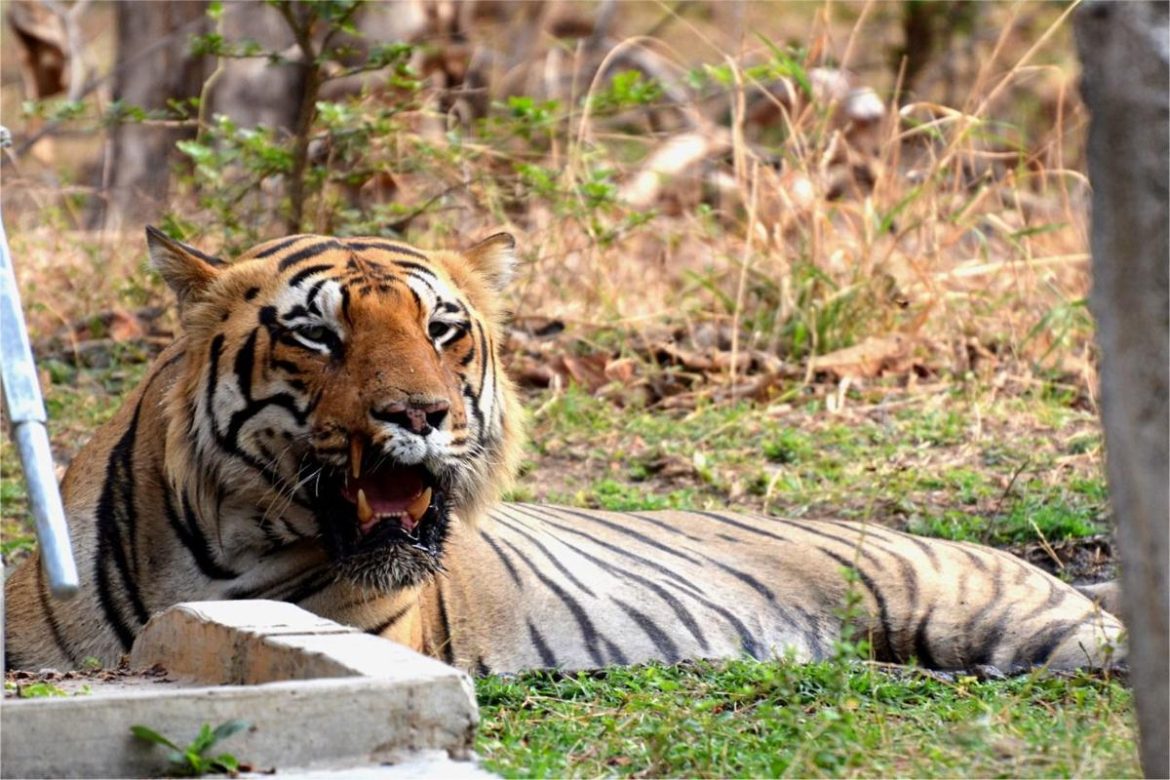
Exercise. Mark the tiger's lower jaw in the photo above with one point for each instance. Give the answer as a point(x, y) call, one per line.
point(391, 555)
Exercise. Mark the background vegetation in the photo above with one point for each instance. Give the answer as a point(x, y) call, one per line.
point(859, 293)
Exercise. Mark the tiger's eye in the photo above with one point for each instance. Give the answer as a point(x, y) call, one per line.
point(317, 333)
point(437, 330)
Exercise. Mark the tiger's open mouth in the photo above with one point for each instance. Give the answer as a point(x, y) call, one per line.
point(389, 494)
point(384, 522)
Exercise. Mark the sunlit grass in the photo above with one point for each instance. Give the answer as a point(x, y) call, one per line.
point(745, 718)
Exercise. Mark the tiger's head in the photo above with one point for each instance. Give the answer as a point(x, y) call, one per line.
point(343, 392)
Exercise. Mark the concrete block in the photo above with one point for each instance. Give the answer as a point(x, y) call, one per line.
point(327, 724)
point(421, 765)
point(321, 697)
point(257, 641)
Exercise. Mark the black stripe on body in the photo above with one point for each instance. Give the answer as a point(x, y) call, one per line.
point(745, 578)
point(503, 556)
point(115, 515)
point(552, 558)
point(891, 653)
point(1056, 597)
point(750, 643)
point(654, 521)
point(742, 526)
point(909, 579)
point(975, 559)
point(284, 588)
point(15, 662)
point(1040, 647)
point(990, 603)
point(588, 631)
point(547, 657)
point(666, 647)
point(681, 612)
point(746, 638)
point(647, 562)
point(980, 652)
point(922, 649)
point(192, 536)
point(446, 646)
point(311, 587)
point(926, 548)
point(816, 633)
point(647, 540)
point(859, 536)
point(862, 540)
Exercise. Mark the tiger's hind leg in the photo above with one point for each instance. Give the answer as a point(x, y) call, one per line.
point(1106, 595)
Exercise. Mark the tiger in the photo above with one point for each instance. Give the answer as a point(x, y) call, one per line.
point(333, 427)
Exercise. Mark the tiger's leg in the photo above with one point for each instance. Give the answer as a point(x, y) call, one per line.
point(955, 606)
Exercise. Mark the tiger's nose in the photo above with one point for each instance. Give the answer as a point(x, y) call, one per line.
point(420, 418)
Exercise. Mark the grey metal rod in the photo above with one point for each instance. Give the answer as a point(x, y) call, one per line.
point(32, 442)
point(26, 413)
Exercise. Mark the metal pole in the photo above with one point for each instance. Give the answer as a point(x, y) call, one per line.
point(26, 413)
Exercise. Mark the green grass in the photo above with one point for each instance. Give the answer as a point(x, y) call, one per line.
point(1017, 471)
point(747, 718)
point(948, 464)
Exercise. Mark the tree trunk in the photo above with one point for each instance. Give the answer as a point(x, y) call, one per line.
point(1125, 48)
point(155, 64)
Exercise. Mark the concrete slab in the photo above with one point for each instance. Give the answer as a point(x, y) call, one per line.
point(424, 765)
point(323, 723)
point(321, 697)
point(257, 641)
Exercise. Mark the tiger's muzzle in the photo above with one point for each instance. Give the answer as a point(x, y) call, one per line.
point(383, 521)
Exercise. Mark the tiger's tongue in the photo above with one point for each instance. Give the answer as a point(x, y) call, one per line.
point(400, 493)
point(388, 490)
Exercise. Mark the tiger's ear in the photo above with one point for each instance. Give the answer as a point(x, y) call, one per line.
point(494, 259)
point(184, 268)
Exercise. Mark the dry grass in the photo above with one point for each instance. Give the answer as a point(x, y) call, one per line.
point(945, 243)
point(970, 242)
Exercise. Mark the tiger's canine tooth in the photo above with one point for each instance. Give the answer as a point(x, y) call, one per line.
point(418, 507)
point(355, 456)
point(364, 511)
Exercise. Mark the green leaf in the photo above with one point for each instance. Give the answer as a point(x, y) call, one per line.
point(230, 727)
point(226, 762)
point(204, 740)
point(194, 760)
point(150, 735)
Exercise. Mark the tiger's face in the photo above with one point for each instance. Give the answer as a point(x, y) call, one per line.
point(348, 389)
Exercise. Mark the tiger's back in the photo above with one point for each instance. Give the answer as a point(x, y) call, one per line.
point(541, 586)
